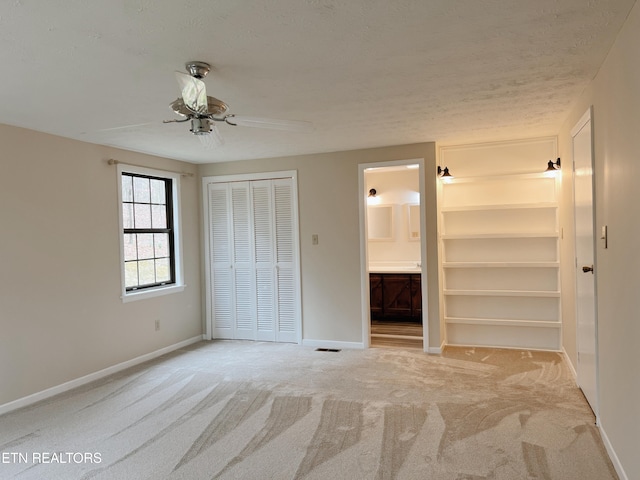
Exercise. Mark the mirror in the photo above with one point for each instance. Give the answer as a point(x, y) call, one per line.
point(380, 222)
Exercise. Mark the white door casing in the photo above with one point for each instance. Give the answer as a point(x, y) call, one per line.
point(586, 312)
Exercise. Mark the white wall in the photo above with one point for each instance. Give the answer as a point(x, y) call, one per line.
point(615, 96)
point(398, 188)
point(329, 207)
point(61, 316)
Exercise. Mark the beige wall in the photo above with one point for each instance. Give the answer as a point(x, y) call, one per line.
point(329, 207)
point(615, 96)
point(61, 312)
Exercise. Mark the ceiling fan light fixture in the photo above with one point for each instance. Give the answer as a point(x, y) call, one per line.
point(200, 126)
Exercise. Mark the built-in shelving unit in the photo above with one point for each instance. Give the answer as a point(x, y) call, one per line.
point(500, 260)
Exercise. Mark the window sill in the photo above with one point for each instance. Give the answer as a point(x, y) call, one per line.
point(154, 292)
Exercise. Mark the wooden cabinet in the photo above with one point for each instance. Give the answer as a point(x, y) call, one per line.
point(395, 297)
point(375, 295)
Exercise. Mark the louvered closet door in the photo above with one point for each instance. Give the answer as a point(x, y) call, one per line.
point(255, 294)
point(243, 263)
point(264, 239)
point(286, 292)
point(221, 264)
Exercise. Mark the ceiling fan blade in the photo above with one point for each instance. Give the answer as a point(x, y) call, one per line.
point(218, 141)
point(125, 127)
point(273, 123)
point(194, 93)
point(212, 139)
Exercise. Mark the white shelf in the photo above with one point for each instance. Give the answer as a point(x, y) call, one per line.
point(478, 236)
point(500, 259)
point(498, 178)
point(501, 264)
point(501, 206)
point(503, 322)
point(502, 293)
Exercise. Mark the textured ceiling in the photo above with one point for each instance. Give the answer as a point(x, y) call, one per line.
point(367, 73)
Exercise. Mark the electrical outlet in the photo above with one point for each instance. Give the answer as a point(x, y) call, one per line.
point(157, 325)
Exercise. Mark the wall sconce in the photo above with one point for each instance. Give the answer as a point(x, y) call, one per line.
point(553, 166)
point(372, 192)
point(444, 173)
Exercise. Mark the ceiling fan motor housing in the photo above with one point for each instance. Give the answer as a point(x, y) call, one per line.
point(200, 126)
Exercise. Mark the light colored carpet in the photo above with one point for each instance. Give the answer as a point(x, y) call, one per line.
point(247, 410)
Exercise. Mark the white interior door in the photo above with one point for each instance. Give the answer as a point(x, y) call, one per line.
point(585, 271)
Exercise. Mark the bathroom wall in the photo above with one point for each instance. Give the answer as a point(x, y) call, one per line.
point(398, 187)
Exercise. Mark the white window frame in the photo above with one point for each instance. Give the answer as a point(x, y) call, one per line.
point(179, 285)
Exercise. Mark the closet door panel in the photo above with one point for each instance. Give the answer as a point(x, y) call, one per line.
point(244, 287)
point(222, 303)
point(286, 328)
point(221, 264)
point(287, 297)
point(244, 309)
point(262, 204)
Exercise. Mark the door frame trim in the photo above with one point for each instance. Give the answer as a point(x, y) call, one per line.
point(293, 174)
point(364, 250)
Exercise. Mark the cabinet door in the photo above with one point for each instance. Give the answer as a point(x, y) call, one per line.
point(416, 298)
point(375, 296)
point(397, 296)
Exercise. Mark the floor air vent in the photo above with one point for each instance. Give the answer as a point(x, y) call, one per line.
point(328, 350)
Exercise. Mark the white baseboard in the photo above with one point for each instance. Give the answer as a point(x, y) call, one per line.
point(612, 455)
point(570, 364)
point(437, 350)
point(332, 344)
point(50, 392)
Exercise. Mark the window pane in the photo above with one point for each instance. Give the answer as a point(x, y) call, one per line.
point(130, 250)
point(141, 191)
point(146, 269)
point(143, 216)
point(131, 274)
point(158, 194)
point(127, 188)
point(145, 245)
point(161, 243)
point(127, 215)
point(158, 216)
point(163, 271)
point(147, 220)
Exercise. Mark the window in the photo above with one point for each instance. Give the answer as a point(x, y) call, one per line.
point(149, 235)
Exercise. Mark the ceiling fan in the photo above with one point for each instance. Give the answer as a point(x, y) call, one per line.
point(195, 106)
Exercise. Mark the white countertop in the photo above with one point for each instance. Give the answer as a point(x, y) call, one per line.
point(395, 267)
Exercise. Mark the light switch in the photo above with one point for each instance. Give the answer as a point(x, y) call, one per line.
point(314, 239)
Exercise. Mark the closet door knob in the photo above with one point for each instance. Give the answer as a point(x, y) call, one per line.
point(587, 269)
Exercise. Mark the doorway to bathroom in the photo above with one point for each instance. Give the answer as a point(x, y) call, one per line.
point(393, 243)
